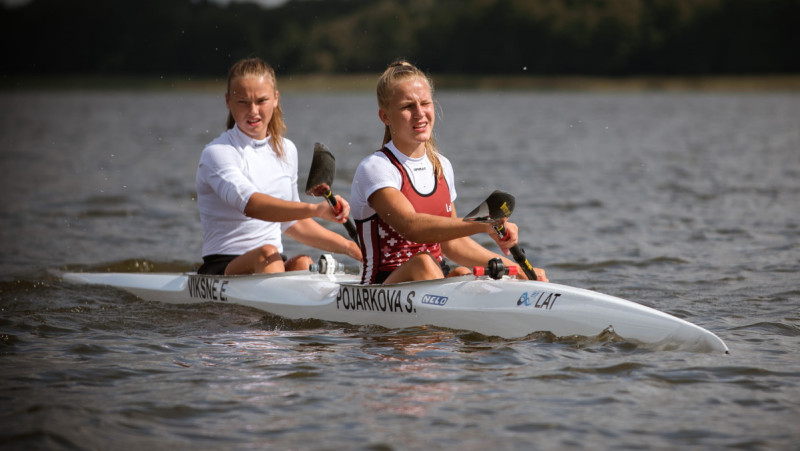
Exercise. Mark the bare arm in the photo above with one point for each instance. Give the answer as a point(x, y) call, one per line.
point(467, 252)
point(394, 208)
point(311, 233)
point(268, 208)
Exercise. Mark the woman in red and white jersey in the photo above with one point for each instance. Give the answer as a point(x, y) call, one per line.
point(402, 195)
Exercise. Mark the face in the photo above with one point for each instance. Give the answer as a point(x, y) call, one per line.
point(251, 101)
point(410, 116)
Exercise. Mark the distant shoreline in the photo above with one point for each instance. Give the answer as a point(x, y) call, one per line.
point(366, 82)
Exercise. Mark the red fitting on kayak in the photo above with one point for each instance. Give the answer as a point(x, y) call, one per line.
point(495, 269)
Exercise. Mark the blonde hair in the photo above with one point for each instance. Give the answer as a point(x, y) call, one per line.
point(259, 68)
point(397, 72)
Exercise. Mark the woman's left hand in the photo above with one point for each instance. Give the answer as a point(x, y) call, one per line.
point(540, 275)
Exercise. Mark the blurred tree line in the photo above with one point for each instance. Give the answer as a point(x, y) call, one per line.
point(538, 37)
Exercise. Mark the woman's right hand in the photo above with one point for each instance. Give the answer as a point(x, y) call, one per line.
point(325, 211)
point(510, 240)
point(353, 250)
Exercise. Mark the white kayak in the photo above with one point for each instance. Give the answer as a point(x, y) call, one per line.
point(505, 307)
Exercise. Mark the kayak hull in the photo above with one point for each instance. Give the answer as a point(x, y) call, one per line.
point(507, 308)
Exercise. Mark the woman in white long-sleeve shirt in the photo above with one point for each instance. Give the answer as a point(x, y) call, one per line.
point(247, 186)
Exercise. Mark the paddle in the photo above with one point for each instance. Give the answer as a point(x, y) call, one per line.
point(497, 206)
point(320, 179)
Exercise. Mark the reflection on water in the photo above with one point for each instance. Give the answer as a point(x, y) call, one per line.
point(686, 202)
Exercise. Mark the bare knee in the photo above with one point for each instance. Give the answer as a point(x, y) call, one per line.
point(422, 266)
point(427, 263)
point(459, 271)
point(268, 254)
point(298, 263)
point(264, 259)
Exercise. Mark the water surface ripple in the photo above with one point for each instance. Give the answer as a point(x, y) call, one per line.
point(685, 202)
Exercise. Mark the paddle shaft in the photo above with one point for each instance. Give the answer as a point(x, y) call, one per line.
point(518, 254)
point(351, 228)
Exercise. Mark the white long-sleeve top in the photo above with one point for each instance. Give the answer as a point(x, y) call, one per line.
point(232, 167)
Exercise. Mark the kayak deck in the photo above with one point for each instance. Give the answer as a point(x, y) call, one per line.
point(507, 308)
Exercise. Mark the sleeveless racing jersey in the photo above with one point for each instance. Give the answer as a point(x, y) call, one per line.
point(384, 249)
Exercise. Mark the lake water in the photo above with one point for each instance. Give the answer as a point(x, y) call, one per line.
point(685, 202)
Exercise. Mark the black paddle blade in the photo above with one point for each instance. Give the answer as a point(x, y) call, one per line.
point(497, 206)
point(323, 169)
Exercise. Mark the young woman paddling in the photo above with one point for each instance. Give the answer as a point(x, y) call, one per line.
point(402, 195)
point(247, 186)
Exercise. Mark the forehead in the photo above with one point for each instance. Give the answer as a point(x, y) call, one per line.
point(251, 85)
point(411, 88)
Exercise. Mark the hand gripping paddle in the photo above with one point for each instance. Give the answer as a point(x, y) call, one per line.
point(497, 206)
point(320, 179)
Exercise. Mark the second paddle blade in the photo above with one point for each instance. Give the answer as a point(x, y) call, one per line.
point(323, 169)
point(497, 206)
